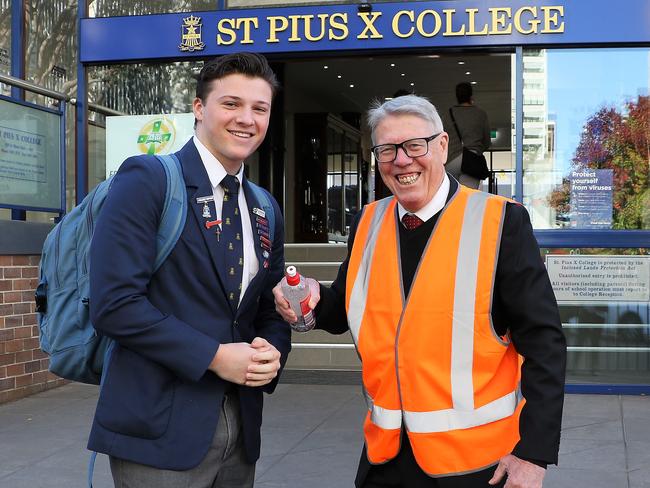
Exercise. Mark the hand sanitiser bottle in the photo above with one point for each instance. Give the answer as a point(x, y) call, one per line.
point(297, 292)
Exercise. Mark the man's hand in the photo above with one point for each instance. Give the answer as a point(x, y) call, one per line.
point(521, 474)
point(282, 305)
point(254, 364)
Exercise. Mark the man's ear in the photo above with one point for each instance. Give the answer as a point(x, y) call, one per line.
point(444, 140)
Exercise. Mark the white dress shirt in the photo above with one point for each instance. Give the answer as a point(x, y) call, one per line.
point(216, 173)
point(434, 206)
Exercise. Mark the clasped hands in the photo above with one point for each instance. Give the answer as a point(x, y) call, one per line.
point(254, 364)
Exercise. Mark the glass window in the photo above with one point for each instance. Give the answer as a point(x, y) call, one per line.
point(276, 3)
point(51, 62)
point(586, 134)
point(99, 8)
point(603, 295)
point(5, 43)
point(140, 89)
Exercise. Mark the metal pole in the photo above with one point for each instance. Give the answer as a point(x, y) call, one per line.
point(81, 116)
point(18, 65)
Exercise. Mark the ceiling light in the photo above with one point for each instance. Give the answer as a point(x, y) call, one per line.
point(468, 72)
point(412, 84)
point(474, 82)
point(392, 65)
point(338, 76)
point(325, 67)
point(461, 62)
point(351, 85)
point(402, 74)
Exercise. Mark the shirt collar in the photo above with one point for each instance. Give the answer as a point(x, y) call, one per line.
point(435, 205)
point(216, 171)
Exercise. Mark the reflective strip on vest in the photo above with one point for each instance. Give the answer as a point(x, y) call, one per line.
point(463, 415)
point(462, 341)
point(359, 292)
point(383, 417)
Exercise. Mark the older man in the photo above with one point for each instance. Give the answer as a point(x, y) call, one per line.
point(445, 293)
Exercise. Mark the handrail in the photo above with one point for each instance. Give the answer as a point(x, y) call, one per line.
point(26, 85)
point(10, 80)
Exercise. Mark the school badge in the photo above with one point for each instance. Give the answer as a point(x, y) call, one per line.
point(191, 34)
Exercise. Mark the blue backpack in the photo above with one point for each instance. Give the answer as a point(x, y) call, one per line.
point(66, 333)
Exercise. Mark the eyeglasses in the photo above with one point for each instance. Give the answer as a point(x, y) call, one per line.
point(413, 148)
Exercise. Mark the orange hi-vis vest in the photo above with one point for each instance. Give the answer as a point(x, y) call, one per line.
point(432, 362)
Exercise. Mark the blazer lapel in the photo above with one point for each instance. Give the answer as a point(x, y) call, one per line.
point(198, 188)
point(262, 247)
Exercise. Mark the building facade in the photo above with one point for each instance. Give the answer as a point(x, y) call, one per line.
point(566, 85)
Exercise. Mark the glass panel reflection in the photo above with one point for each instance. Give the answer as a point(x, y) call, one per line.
point(585, 143)
point(605, 312)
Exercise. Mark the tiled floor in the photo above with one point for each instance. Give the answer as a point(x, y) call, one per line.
point(312, 438)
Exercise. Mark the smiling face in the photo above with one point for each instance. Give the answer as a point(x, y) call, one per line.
point(231, 121)
point(414, 181)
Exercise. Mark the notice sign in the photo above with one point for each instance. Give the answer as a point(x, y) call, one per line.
point(22, 155)
point(132, 135)
point(600, 278)
point(30, 156)
point(591, 198)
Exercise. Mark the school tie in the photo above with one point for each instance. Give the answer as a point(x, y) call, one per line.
point(231, 239)
point(411, 221)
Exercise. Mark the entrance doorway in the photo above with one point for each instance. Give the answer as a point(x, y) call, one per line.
point(329, 170)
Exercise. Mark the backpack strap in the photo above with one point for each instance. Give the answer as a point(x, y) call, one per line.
point(264, 200)
point(174, 211)
point(453, 119)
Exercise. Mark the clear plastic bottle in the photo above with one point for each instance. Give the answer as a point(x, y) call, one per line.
point(297, 292)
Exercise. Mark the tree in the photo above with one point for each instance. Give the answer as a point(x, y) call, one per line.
point(620, 142)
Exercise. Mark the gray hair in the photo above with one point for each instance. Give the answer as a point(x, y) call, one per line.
point(404, 105)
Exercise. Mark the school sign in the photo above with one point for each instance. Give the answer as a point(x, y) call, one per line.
point(354, 28)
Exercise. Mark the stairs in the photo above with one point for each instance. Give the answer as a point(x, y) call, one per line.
point(319, 350)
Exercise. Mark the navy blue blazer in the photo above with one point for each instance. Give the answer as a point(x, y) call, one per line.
point(159, 405)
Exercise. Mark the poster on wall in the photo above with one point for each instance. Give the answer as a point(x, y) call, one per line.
point(30, 156)
point(591, 198)
point(599, 278)
point(131, 135)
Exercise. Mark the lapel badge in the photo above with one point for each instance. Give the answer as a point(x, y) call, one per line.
point(207, 198)
point(211, 223)
point(206, 211)
point(266, 263)
point(265, 243)
point(259, 211)
point(265, 254)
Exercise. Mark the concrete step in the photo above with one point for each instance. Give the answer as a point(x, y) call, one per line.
point(318, 350)
point(315, 252)
point(321, 271)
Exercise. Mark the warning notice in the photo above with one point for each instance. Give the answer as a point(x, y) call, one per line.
point(600, 278)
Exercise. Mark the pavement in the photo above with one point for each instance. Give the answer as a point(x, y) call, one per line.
point(312, 438)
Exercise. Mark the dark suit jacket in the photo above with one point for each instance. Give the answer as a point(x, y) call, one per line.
point(524, 304)
point(159, 405)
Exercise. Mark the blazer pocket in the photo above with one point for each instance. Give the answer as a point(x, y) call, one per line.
point(137, 395)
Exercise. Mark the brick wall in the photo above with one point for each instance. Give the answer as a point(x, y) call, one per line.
point(23, 366)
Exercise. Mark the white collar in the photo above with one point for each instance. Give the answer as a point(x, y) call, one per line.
point(434, 206)
point(216, 171)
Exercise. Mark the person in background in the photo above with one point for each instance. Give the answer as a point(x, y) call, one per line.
point(474, 128)
point(453, 317)
point(198, 341)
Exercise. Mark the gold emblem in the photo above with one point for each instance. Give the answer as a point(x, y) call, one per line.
point(191, 34)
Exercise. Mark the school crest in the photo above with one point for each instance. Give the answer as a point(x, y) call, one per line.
point(191, 34)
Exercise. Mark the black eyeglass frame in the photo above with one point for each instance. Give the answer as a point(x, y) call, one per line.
point(401, 145)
